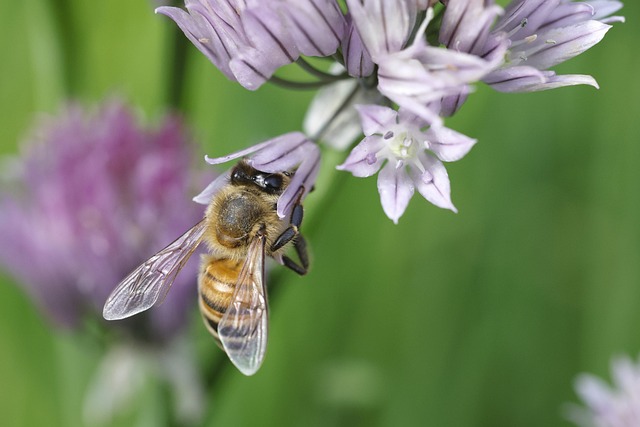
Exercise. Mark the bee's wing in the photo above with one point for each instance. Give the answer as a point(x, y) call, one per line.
point(243, 328)
point(149, 283)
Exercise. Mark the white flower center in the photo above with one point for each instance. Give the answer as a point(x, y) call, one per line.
point(401, 145)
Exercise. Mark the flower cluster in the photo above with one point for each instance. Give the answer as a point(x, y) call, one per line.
point(617, 406)
point(91, 197)
point(401, 67)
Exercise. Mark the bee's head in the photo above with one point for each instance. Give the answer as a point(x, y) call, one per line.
point(271, 183)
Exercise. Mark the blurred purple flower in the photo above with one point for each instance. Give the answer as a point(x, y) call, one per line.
point(617, 406)
point(410, 157)
point(248, 40)
point(92, 196)
point(291, 151)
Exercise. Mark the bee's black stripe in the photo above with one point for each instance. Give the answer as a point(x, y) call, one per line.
point(212, 327)
point(213, 278)
point(212, 323)
point(212, 304)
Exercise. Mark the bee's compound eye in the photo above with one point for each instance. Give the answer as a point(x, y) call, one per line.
point(236, 175)
point(273, 181)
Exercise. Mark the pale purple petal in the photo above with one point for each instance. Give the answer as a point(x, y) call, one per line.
point(448, 66)
point(423, 74)
point(613, 19)
point(215, 45)
point(625, 375)
point(248, 41)
point(356, 58)
point(420, 107)
point(495, 49)
point(363, 161)
point(433, 183)
point(283, 153)
point(384, 25)
point(264, 28)
point(449, 105)
point(271, 47)
point(274, 155)
point(376, 118)
point(553, 81)
point(237, 154)
point(555, 46)
point(604, 8)
point(448, 144)
point(204, 198)
point(514, 79)
point(522, 18)
point(466, 24)
point(304, 178)
point(251, 68)
point(395, 188)
point(568, 13)
point(594, 391)
point(317, 26)
point(412, 120)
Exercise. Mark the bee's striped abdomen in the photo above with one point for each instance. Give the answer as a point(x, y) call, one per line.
point(216, 284)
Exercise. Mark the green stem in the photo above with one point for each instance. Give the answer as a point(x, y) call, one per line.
point(329, 182)
point(51, 42)
point(177, 58)
point(324, 76)
point(288, 84)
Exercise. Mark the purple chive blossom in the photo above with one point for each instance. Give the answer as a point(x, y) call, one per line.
point(386, 58)
point(386, 51)
point(283, 153)
point(248, 40)
point(415, 76)
point(91, 197)
point(411, 73)
point(540, 33)
point(410, 157)
point(617, 406)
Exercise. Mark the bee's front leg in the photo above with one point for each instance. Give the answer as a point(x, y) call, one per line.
point(292, 232)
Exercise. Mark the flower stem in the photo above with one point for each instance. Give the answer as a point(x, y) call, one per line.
point(289, 84)
point(324, 76)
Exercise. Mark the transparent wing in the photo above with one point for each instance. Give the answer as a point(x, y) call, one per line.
point(243, 328)
point(148, 284)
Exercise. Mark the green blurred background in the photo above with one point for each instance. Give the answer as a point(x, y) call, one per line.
point(483, 318)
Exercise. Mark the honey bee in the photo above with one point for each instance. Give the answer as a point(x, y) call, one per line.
point(240, 228)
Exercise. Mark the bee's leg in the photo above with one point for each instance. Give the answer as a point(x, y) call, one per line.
point(297, 213)
point(300, 245)
point(292, 233)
